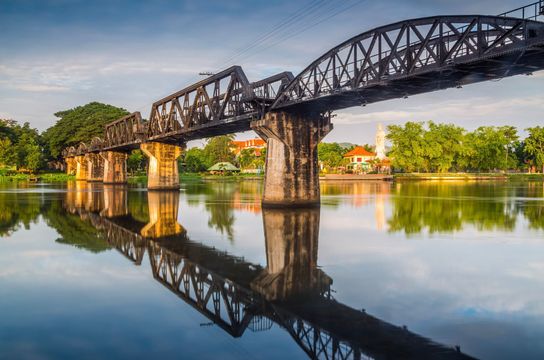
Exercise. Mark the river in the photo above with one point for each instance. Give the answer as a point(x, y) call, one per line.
point(380, 270)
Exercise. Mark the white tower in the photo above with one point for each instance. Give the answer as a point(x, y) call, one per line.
point(380, 142)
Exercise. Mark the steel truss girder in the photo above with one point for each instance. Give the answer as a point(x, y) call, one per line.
point(125, 133)
point(409, 49)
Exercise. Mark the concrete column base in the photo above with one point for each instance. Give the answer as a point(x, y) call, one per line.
point(95, 167)
point(115, 167)
point(162, 171)
point(292, 171)
point(82, 168)
point(71, 165)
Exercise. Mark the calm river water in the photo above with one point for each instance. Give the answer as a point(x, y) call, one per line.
point(381, 270)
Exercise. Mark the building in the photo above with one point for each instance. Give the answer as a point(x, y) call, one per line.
point(360, 159)
point(257, 144)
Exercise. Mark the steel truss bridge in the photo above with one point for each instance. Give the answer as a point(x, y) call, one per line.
point(219, 286)
point(393, 61)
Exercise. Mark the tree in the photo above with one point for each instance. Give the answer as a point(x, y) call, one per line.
point(219, 149)
point(443, 145)
point(330, 154)
point(136, 161)
point(8, 154)
point(491, 147)
point(408, 146)
point(80, 124)
point(534, 145)
point(195, 160)
point(252, 158)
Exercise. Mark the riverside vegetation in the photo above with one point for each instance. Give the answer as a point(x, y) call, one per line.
point(416, 147)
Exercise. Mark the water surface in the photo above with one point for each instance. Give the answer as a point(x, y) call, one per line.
point(382, 270)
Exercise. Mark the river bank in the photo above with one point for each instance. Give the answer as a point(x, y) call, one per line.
point(184, 177)
point(468, 176)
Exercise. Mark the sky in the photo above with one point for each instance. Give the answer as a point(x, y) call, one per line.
point(59, 54)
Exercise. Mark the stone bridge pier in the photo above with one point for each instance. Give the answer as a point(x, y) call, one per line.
point(71, 165)
point(95, 167)
point(82, 167)
point(292, 171)
point(162, 170)
point(115, 167)
point(291, 238)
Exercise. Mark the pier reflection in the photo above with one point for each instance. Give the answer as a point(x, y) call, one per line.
point(290, 291)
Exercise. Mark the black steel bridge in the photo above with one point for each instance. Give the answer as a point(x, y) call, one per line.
point(394, 61)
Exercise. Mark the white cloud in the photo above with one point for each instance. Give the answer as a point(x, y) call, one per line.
point(40, 87)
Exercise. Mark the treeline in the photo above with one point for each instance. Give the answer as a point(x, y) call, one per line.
point(21, 147)
point(24, 148)
point(432, 147)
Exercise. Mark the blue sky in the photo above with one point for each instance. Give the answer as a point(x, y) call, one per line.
point(60, 54)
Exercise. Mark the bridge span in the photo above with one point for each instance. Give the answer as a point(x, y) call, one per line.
point(293, 114)
point(236, 295)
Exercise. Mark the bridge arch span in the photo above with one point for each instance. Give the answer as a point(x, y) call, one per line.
point(416, 56)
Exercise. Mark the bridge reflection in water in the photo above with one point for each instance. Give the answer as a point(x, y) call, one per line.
point(234, 294)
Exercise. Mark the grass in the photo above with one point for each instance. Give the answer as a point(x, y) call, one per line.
point(45, 177)
point(468, 176)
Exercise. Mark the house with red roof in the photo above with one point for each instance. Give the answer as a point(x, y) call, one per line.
point(360, 159)
point(257, 144)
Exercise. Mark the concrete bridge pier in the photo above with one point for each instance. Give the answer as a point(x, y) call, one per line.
point(71, 165)
point(292, 171)
point(115, 167)
point(163, 215)
point(95, 167)
point(162, 171)
point(82, 167)
point(291, 238)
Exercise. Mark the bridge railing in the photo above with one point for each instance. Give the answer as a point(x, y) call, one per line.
point(534, 11)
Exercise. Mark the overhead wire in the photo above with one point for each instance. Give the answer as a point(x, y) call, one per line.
point(300, 21)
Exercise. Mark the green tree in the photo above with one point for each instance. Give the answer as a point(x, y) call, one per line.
point(491, 147)
point(252, 159)
point(443, 145)
point(408, 146)
point(534, 145)
point(8, 154)
point(29, 152)
point(195, 160)
point(331, 154)
point(136, 161)
point(80, 124)
point(219, 149)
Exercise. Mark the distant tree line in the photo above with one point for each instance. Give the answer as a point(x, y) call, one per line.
point(21, 147)
point(415, 146)
point(432, 147)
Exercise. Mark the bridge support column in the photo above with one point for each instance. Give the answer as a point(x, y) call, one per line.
point(82, 167)
point(71, 165)
point(115, 167)
point(292, 171)
point(95, 167)
point(162, 172)
point(163, 215)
